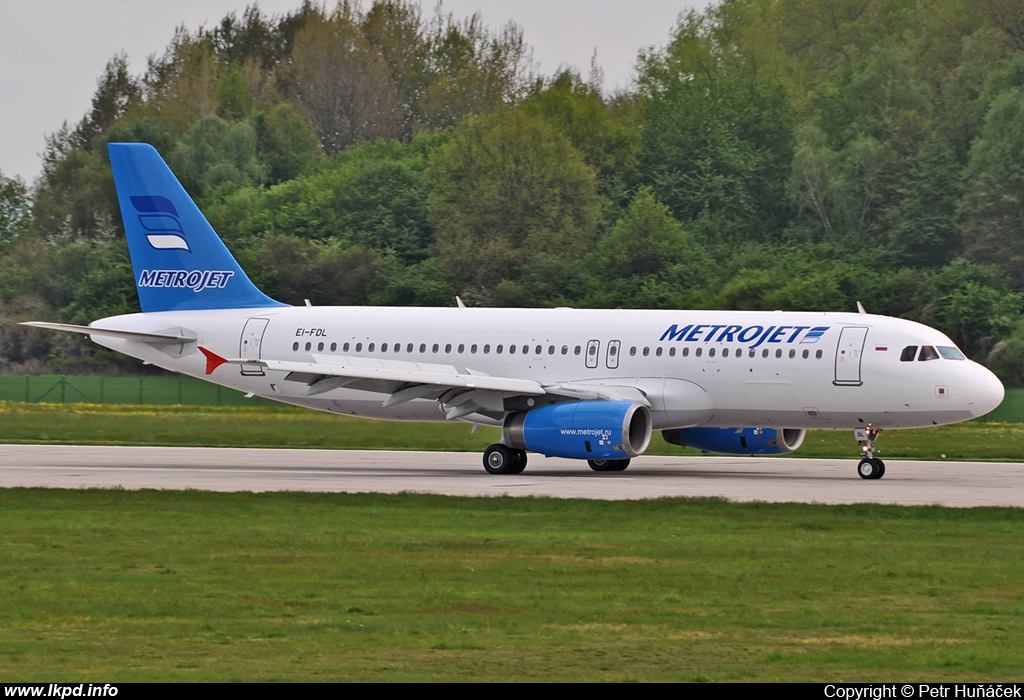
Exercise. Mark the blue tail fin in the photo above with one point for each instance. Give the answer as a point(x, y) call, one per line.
point(180, 262)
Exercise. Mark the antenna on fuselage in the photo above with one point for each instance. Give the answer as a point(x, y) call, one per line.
point(860, 308)
point(458, 300)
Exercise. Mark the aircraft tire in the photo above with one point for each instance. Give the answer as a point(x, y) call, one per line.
point(608, 465)
point(499, 459)
point(871, 469)
point(518, 462)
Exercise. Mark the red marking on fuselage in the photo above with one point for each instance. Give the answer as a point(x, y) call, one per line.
point(213, 360)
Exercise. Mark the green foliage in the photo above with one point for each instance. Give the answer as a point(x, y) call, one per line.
point(215, 152)
point(286, 143)
point(717, 141)
point(15, 209)
point(798, 154)
point(505, 191)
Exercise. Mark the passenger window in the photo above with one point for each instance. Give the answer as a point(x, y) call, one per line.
point(658, 352)
point(537, 350)
point(423, 347)
point(398, 347)
point(697, 352)
point(448, 348)
point(686, 352)
point(806, 354)
point(499, 349)
point(565, 349)
point(383, 347)
point(319, 347)
point(778, 353)
point(792, 353)
point(309, 346)
point(526, 349)
point(927, 353)
point(592, 350)
point(487, 349)
point(632, 351)
point(435, 348)
point(817, 355)
point(511, 349)
point(461, 348)
point(344, 348)
point(672, 352)
point(369, 348)
point(764, 353)
point(725, 352)
point(359, 347)
point(711, 352)
point(908, 353)
point(752, 352)
point(295, 346)
point(647, 351)
point(408, 348)
point(472, 349)
point(334, 347)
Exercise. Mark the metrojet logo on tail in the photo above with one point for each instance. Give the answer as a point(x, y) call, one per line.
point(196, 280)
point(159, 219)
point(754, 335)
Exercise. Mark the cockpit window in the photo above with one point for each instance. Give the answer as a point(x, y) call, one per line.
point(909, 353)
point(927, 353)
point(951, 353)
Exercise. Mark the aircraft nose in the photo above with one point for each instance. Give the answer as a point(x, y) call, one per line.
point(986, 392)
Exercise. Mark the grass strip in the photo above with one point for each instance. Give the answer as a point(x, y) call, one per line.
point(283, 426)
point(191, 586)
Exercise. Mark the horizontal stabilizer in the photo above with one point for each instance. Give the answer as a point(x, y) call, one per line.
point(162, 337)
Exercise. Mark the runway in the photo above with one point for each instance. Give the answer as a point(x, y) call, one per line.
point(782, 479)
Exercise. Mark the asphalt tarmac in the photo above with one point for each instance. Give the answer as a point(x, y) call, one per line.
point(779, 479)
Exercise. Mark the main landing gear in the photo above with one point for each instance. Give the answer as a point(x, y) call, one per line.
point(870, 466)
point(499, 459)
point(608, 465)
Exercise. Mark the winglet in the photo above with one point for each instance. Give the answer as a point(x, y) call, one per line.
point(213, 360)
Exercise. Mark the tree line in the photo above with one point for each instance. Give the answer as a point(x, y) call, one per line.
point(773, 154)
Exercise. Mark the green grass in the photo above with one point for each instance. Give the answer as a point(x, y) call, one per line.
point(191, 586)
point(282, 426)
point(161, 389)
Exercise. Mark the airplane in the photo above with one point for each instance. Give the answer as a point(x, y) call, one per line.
point(576, 383)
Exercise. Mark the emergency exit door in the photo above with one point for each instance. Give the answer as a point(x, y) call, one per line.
point(849, 355)
point(250, 344)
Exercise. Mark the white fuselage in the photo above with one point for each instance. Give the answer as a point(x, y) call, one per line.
point(712, 368)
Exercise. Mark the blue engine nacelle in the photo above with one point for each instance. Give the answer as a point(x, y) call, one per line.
point(737, 441)
point(581, 430)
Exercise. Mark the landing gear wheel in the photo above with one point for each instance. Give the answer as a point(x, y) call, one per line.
point(608, 465)
point(871, 468)
point(499, 459)
point(518, 462)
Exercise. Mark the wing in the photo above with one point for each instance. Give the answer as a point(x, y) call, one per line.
point(461, 393)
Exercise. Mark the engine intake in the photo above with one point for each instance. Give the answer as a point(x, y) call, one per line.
point(581, 430)
point(738, 441)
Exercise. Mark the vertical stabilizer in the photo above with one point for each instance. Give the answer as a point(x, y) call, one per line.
point(180, 263)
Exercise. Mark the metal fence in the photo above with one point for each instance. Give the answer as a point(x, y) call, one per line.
point(155, 390)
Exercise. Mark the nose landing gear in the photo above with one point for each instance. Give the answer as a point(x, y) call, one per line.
point(870, 466)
